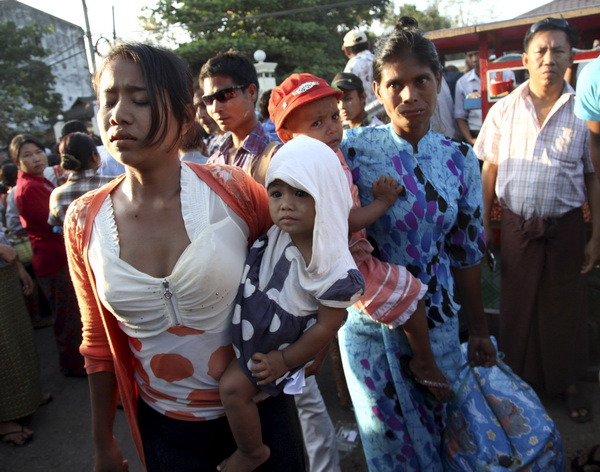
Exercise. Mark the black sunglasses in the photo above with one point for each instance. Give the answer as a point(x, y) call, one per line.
point(559, 23)
point(223, 95)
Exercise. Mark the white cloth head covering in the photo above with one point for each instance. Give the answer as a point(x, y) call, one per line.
point(310, 165)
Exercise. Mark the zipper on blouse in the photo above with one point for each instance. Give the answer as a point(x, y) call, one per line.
point(168, 296)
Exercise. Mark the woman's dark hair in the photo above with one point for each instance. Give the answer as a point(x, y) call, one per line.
point(405, 41)
point(263, 104)
point(53, 159)
point(18, 142)
point(193, 140)
point(168, 81)
point(76, 151)
point(8, 173)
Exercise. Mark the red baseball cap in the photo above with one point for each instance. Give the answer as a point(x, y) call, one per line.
point(295, 91)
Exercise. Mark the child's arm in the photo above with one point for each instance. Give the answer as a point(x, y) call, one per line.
point(274, 364)
point(317, 364)
point(385, 191)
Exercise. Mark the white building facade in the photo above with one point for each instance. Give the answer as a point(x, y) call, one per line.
point(66, 45)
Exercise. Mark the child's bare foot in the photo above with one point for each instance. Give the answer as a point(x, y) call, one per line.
point(243, 462)
point(429, 376)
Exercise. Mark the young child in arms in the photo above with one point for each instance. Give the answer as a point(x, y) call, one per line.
point(299, 279)
point(305, 105)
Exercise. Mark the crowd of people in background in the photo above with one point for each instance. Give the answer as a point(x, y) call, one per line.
point(347, 217)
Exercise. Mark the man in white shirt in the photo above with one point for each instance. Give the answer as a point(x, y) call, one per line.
point(360, 63)
point(469, 86)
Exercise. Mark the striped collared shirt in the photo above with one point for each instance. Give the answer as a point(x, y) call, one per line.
point(250, 149)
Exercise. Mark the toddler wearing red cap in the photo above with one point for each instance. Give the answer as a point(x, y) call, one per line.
point(307, 105)
point(304, 104)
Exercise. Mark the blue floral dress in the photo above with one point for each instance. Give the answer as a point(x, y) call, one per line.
point(434, 226)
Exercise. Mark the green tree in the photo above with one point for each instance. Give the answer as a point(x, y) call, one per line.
point(429, 19)
point(25, 81)
point(300, 35)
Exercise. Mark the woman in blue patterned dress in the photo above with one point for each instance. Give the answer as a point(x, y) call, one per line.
point(434, 229)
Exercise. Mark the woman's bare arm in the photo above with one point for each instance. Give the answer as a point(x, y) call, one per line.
point(104, 397)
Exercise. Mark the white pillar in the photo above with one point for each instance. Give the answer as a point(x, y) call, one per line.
point(57, 127)
point(265, 71)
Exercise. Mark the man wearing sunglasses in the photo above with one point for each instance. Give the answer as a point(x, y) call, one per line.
point(230, 86)
point(537, 161)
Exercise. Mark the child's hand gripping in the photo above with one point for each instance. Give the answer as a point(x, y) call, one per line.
point(268, 367)
point(386, 189)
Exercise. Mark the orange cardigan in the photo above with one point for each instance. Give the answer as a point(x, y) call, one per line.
point(105, 347)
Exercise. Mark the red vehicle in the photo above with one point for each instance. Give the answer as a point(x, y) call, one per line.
point(507, 36)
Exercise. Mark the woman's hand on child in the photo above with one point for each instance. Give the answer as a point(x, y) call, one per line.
point(268, 367)
point(387, 190)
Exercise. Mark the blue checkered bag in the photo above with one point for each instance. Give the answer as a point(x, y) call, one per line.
point(496, 423)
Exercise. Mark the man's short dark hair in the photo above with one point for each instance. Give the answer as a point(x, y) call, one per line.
point(231, 64)
point(358, 48)
point(551, 24)
point(73, 126)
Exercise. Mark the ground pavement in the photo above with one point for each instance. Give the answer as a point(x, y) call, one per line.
point(62, 441)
